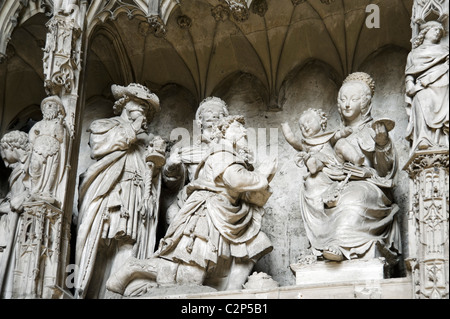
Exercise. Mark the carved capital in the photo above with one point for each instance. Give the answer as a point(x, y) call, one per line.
point(157, 26)
point(422, 160)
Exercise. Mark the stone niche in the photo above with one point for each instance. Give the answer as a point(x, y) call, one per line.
point(311, 85)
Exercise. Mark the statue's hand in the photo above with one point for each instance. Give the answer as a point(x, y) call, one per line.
point(268, 168)
point(381, 134)
point(342, 133)
point(174, 158)
point(138, 122)
point(314, 165)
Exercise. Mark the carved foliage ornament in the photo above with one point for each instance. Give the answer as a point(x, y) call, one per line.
point(425, 160)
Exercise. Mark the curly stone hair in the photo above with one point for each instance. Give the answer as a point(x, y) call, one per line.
point(368, 87)
point(221, 127)
point(424, 28)
point(363, 78)
point(16, 139)
point(321, 114)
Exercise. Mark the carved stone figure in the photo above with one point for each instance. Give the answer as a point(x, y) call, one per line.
point(315, 146)
point(182, 163)
point(347, 209)
point(216, 237)
point(49, 139)
point(427, 85)
point(119, 194)
point(15, 151)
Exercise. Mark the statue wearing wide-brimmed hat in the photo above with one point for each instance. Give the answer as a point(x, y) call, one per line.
point(119, 194)
point(149, 101)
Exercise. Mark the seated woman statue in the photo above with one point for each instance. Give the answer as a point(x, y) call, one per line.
point(347, 208)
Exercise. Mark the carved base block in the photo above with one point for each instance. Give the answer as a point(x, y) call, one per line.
point(332, 272)
point(36, 270)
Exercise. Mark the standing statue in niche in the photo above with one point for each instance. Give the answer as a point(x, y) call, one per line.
point(15, 152)
point(427, 84)
point(119, 194)
point(346, 204)
point(49, 140)
point(182, 163)
point(218, 229)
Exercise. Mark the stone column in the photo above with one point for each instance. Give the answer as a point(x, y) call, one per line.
point(428, 225)
point(44, 238)
point(428, 165)
point(39, 248)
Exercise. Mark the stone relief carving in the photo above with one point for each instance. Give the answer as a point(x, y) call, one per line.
point(39, 251)
point(427, 89)
point(216, 238)
point(428, 223)
point(36, 193)
point(317, 147)
point(15, 151)
point(345, 201)
point(63, 48)
point(49, 141)
point(182, 162)
point(119, 194)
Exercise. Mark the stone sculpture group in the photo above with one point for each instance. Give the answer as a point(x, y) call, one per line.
point(213, 236)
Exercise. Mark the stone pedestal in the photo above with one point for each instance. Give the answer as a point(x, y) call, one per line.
point(322, 272)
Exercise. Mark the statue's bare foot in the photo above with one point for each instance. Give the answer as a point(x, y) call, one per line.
point(333, 253)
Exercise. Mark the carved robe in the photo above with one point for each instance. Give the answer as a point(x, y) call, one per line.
point(176, 178)
point(222, 215)
point(10, 223)
point(114, 207)
point(429, 107)
point(48, 159)
point(363, 218)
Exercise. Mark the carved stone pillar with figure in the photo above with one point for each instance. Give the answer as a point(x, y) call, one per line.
point(427, 84)
point(43, 240)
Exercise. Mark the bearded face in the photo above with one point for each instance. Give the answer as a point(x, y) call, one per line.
point(50, 111)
